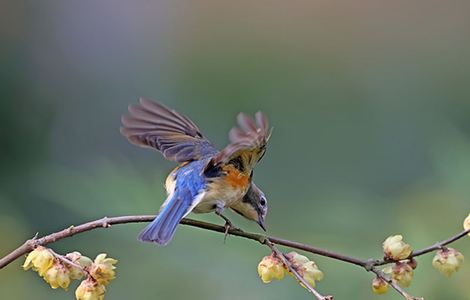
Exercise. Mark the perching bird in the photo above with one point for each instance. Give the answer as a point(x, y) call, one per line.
point(207, 180)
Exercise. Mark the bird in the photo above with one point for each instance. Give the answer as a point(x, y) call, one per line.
point(206, 179)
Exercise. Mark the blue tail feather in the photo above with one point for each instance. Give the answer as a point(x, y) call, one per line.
point(162, 229)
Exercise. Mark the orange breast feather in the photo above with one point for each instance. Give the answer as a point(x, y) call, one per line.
point(235, 178)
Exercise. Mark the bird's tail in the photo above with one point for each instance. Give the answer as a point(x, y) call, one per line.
point(162, 229)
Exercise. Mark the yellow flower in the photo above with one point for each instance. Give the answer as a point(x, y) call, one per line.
point(387, 270)
point(102, 269)
point(447, 261)
point(394, 248)
point(402, 273)
point(90, 290)
point(40, 260)
point(305, 267)
point(270, 268)
point(296, 259)
point(379, 286)
point(310, 272)
point(79, 259)
point(466, 223)
point(58, 276)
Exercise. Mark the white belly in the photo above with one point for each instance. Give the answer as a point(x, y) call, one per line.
point(217, 197)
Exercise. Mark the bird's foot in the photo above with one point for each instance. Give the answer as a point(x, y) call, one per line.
point(228, 224)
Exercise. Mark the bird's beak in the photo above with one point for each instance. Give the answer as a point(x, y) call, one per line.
point(261, 224)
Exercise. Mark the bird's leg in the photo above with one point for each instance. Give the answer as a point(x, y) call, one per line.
point(228, 224)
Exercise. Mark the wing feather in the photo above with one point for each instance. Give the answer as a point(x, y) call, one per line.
point(151, 124)
point(249, 139)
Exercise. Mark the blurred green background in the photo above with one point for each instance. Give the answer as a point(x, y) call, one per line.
point(370, 103)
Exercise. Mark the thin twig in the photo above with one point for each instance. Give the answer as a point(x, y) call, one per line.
point(291, 269)
point(440, 244)
point(394, 285)
point(67, 261)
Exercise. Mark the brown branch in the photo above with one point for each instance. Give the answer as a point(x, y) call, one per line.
point(440, 244)
point(291, 269)
point(319, 251)
point(106, 222)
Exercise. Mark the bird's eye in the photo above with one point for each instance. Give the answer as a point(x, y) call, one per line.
point(262, 202)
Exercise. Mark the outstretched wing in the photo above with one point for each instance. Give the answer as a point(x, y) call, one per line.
point(151, 124)
point(247, 141)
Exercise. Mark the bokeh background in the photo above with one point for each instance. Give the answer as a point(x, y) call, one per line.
point(370, 103)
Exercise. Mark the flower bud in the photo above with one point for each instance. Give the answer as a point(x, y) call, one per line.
point(402, 273)
point(58, 276)
point(310, 272)
point(81, 260)
point(379, 286)
point(447, 261)
point(89, 289)
point(102, 269)
point(305, 267)
point(296, 259)
point(466, 223)
point(270, 267)
point(40, 260)
point(394, 248)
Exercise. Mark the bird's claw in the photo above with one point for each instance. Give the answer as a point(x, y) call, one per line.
point(228, 225)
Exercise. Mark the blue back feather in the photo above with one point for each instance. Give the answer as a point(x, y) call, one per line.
point(189, 184)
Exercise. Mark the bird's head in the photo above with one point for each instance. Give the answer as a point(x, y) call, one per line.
point(254, 206)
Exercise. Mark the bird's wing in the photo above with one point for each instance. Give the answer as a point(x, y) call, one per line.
point(151, 124)
point(247, 141)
